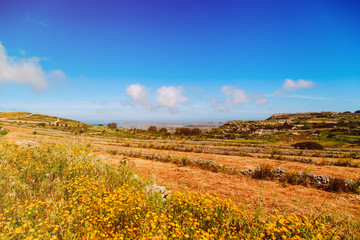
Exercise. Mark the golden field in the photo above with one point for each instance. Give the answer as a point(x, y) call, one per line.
point(66, 185)
point(58, 191)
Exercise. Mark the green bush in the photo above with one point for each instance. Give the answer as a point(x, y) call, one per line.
point(152, 129)
point(112, 125)
point(3, 132)
point(163, 130)
point(338, 185)
point(308, 145)
point(343, 162)
point(264, 171)
point(292, 177)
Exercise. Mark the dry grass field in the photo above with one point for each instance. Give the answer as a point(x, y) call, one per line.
point(203, 167)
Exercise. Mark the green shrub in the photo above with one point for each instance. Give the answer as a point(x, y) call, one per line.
point(184, 160)
point(264, 171)
point(343, 162)
point(112, 125)
point(308, 145)
point(338, 185)
point(41, 124)
point(3, 132)
point(152, 129)
point(331, 135)
point(354, 155)
point(291, 177)
point(163, 130)
point(325, 162)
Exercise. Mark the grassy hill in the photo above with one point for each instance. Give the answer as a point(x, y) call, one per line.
point(327, 128)
point(330, 128)
point(33, 119)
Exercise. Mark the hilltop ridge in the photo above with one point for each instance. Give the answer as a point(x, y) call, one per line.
point(324, 114)
point(332, 127)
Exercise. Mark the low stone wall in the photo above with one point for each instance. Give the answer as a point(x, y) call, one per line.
point(283, 175)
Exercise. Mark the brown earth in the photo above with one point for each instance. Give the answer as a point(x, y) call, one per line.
point(253, 162)
point(251, 192)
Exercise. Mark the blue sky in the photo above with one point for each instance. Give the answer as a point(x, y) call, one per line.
point(178, 60)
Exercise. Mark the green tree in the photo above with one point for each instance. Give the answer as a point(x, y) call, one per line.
point(163, 130)
point(152, 129)
point(112, 125)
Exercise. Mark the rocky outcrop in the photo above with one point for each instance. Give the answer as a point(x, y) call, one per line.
point(262, 132)
point(25, 143)
point(154, 188)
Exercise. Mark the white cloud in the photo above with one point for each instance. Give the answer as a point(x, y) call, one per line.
point(279, 92)
point(260, 99)
point(56, 77)
point(221, 108)
point(227, 90)
point(214, 102)
point(217, 107)
point(237, 96)
point(138, 94)
point(308, 97)
point(25, 71)
point(22, 52)
point(292, 85)
point(170, 96)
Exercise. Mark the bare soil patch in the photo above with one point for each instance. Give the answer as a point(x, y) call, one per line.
point(250, 192)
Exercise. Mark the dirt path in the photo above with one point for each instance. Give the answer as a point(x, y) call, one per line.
point(55, 122)
point(29, 115)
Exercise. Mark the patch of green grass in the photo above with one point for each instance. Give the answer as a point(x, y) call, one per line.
point(3, 132)
point(12, 115)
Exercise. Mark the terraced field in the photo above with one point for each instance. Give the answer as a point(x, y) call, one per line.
point(262, 177)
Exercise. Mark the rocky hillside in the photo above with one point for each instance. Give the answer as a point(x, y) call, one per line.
point(34, 120)
point(327, 126)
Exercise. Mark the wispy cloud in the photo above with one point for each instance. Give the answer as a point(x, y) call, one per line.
point(282, 94)
point(56, 77)
point(236, 96)
point(65, 105)
point(26, 71)
point(22, 52)
point(34, 20)
point(196, 89)
point(215, 105)
point(307, 97)
point(260, 99)
point(292, 85)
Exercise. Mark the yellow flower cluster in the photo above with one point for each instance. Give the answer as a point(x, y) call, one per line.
point(64, 192)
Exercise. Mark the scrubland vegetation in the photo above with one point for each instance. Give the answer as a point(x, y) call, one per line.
point(53, 186)
point(57, 191)
point(326, 128)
